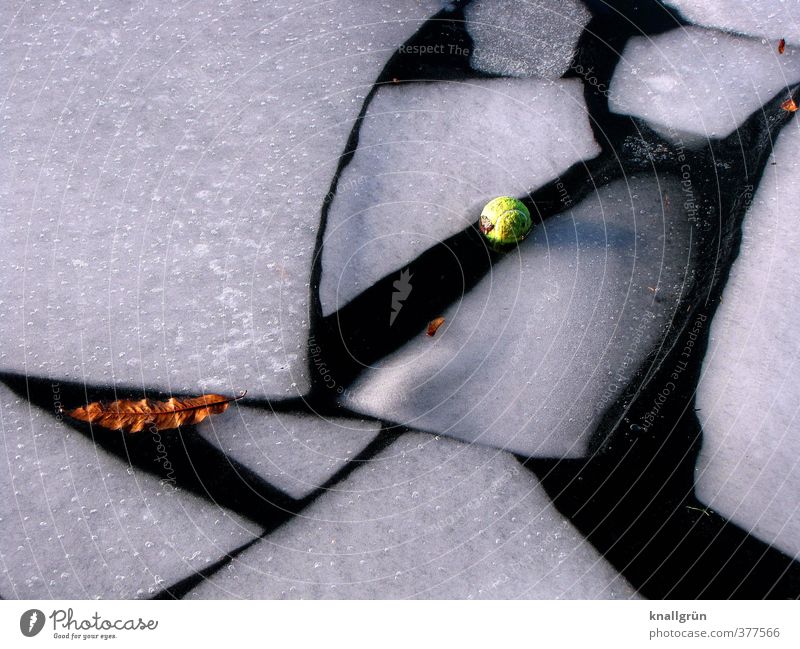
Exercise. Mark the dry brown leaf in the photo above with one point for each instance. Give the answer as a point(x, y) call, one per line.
point(790, 105)
point(433, 326)
point(133, 416)
point(782, 46)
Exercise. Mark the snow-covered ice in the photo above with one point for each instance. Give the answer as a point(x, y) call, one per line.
point(77, 523)
point(692, 84)
point(296, 453)
point(531, 357)
point(430, 155)
point(164, 171)
point(772, 19)
point(431, 518)
point(748, 396)
point(520, 38)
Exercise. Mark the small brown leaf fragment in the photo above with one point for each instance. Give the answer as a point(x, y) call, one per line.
point(781, 46)
point(433, 325)
point(134, 416)
point(789, 105)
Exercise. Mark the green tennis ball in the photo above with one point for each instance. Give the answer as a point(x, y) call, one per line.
point(505, 221)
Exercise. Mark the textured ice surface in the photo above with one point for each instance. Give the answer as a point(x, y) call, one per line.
point(530, 358)
point(164, 168)
point(75, 522)
point(523, 38)
point(749, 466)
point(692, 84)
point(773, 19)
point(428, 518)
point(296, 453)
point(430, 156)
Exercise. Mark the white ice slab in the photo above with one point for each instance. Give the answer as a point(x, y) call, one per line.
point(164, 168)
point(296, 453)
point(530, 359)
point(77, 523)
point(693, 84)
point(773, 19)
point(430, 156)
point(523, 38)
point(428, 518)
point(749, 466)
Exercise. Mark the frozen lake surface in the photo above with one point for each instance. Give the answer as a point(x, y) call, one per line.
point(280, 197)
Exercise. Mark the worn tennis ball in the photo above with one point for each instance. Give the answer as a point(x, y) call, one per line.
point(505, 221)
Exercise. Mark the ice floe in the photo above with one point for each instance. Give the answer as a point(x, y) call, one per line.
point(430, 155)
point(427, 518)
point(530, 359)
point(525, 39)
point(692, 84)
point(295, 452)
point(773, 19)
point(76, 523)
point(166, 170)
point(748, 396)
